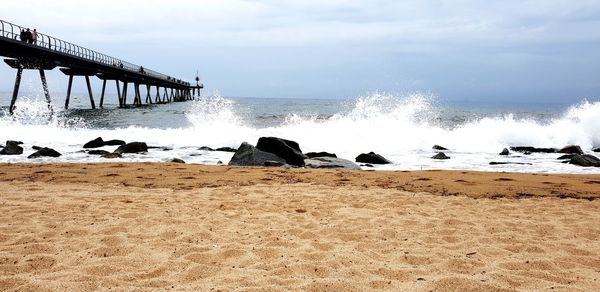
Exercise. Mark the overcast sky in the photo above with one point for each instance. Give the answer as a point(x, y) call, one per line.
point(540, 50)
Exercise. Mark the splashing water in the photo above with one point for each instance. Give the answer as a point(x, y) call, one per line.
point(401, 128)
point(31, 111)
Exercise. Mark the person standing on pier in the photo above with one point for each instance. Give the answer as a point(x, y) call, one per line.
point(22, 36)
point(34, 37)
point(28, 37)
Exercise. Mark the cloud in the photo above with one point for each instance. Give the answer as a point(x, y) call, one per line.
point(439, 43)
point(311, 22)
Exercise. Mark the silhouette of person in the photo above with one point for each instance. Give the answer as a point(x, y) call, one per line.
point(22, 36)
point(34, 37)
point(28, 36)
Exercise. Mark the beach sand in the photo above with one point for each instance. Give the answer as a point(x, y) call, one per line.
point(84, 227)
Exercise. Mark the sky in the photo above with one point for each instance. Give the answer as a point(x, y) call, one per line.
point(535, 50)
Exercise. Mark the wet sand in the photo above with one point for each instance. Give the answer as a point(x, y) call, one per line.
point(85, 227)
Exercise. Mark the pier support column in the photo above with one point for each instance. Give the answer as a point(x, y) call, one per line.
point(69, 92)
point(157, 98)
point(148, 97)
point(137, 100)
point(102, 94)
point(124, 94)
point(89, 86)
point(71, 72)
point(165, 95)
point(28, 63)
point(46, 91)
point(119, 93)
point(15, 90)
point(172, 95)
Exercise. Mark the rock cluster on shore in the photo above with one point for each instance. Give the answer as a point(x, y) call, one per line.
point(585, 160)
point(12, 148)
point(44, 152)
point(440, 156)
point(273, 151)
point(279, 152)
point(99, 142)
point(372, 158)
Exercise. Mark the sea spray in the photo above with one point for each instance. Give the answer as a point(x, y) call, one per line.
point(401, 128)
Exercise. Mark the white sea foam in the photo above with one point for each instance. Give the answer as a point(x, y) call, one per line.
point(403, 129)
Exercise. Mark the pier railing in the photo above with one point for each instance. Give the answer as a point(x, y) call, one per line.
point(13, 31)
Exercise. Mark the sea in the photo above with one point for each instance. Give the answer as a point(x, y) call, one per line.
point(401, 127)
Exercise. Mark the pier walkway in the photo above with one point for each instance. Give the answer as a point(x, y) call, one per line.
point(47, 53)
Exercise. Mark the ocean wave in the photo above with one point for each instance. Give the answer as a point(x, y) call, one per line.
point(402, 128)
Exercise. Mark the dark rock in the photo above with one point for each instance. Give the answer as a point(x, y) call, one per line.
point(248, 155)
point(36, 148)
point(331, 162)
point(530, 149)
point(566, 156)
point(226, 149)
point(133, 147)
point(12, 148)
point(289, 143)
point(96, 143)
point(596, 149)
point(571, 149)
point(502, 163)
point(367, 165)
point(504, 152)
point(114, 143)
point(44, 152)
point(526, 153)
point(98, 152)
point(270, 163)
point(206, 148)
point(219, 162)
point(440, 155)
point(320, 154)
point(177, 160)
point(286, 149)
point(372, 158)
point(112, 155)
point(438, 147)
point(585, 160)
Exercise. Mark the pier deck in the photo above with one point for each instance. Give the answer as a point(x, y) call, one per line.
point(47, 53)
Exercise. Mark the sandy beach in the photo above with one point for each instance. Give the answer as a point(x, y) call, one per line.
point(123, 227)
